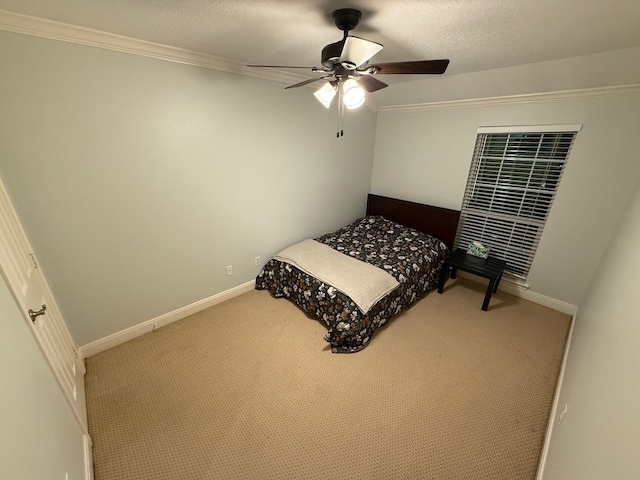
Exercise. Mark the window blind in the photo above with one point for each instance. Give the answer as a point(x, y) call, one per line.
point(511, 186)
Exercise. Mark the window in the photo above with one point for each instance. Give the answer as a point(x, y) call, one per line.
point(513, 179)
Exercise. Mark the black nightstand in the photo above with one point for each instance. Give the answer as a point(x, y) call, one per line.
point(490, 268)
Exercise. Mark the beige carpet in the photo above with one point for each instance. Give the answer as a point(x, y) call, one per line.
point(249, 390)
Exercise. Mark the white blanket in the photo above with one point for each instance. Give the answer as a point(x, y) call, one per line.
point(365, 284)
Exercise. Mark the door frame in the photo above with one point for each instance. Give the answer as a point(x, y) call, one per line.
point(12, 239)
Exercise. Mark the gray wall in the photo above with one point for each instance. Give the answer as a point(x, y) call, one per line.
point(605, 69)
point(40, 438)
point(600, 435)
point(425, 155)
point(138, 180)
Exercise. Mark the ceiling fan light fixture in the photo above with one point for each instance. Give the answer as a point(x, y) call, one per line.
point(346, 67)
point(325, 94)
point(352, 94)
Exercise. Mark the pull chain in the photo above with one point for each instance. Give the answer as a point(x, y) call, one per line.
point(340, 109)
point(342, 116)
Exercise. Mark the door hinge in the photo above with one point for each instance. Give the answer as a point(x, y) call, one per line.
point(75, 352)
point(33, 259)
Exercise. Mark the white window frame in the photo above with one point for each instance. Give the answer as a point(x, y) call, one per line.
point(511, 236)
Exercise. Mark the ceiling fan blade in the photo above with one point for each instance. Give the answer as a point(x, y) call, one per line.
point(357, 51)
point(371, 84)
point(308, 81)
point(424, 66)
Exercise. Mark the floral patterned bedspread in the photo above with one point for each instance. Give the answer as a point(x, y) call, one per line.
point(413, 258)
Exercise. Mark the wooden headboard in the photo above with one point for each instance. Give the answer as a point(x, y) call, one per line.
point(439, 222)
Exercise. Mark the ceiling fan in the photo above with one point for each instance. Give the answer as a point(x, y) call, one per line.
point(347, 71)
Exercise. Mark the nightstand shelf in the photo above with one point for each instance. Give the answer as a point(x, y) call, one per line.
point(490, 268)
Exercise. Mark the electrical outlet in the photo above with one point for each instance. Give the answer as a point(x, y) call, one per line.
point(256, 261)
point(229, 270)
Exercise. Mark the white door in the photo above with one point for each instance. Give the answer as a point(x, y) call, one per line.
point(39, 308)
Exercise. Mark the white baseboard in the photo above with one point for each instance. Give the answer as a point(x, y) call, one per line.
point(554, 406)
point(522, 292)
point(150, 325)
point(553, 303)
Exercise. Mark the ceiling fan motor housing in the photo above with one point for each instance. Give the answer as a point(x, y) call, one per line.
point(331, 54)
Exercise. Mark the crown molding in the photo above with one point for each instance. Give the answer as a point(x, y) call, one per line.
point(64, 32)
point(38, 27)
point(563, 95)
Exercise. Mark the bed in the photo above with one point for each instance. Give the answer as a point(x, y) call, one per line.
point(407, 240)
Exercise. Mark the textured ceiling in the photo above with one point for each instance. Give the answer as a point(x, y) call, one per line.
point(476, 35)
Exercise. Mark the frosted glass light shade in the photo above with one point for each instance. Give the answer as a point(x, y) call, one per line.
point(353, 95)
point(325, 94)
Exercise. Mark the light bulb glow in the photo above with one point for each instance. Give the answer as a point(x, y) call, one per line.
point(325, 94)
point(353, 95)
